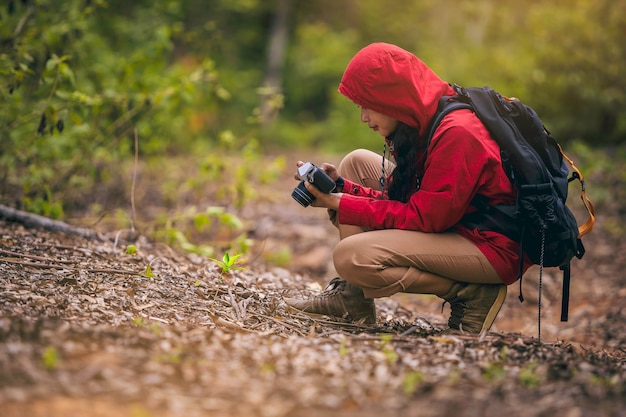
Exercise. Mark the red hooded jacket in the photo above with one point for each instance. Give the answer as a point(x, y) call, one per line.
point(462, 159)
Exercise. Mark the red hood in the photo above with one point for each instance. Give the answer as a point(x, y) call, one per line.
point(389, 80)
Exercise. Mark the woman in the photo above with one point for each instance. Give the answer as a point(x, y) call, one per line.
point(411, 237)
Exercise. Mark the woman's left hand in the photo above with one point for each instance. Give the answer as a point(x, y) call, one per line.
point(330, 201)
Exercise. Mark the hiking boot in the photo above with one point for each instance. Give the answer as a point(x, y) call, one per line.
point(339, 300)
point(474, 307)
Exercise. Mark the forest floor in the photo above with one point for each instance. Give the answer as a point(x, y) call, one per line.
point(87, 329)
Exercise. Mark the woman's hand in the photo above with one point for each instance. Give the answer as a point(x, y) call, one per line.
point(329, 169)
point(330, 201)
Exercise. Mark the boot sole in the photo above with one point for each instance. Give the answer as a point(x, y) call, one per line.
point(494, 310)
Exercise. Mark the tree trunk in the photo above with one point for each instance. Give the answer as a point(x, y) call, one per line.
point(272, 86)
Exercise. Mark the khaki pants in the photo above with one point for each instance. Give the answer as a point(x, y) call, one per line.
point(384, 262)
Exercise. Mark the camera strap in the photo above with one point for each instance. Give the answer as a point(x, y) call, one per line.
point(383, 176)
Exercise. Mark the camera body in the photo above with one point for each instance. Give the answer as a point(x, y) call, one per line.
point(310, 173)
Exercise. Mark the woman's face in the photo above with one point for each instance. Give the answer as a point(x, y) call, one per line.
point(378, 122)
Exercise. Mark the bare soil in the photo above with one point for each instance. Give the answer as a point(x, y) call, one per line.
point(87, 329)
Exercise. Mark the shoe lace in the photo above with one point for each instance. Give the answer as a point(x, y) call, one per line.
point(335, 286)
point(457, 312)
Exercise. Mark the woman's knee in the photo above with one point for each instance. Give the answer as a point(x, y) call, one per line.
point(343, 257)
point(355, 163)
point(355, 157)
point(351, 259)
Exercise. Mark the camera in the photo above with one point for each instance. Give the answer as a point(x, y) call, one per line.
point(310, 173)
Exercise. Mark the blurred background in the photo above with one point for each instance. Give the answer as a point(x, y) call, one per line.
point(193, 110)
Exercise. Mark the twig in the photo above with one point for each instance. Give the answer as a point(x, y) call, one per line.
point(22, 22)
point(52, 266)
point(158, 319)
point(233, 302)
point(38, 258)
point(132, 187)
point(218, 321)
point(117, 237)
point(412, 329)
point(33, 264)
point(114, 271)
point(284, 323)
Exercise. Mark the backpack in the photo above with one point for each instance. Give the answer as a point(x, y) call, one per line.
point(535, 163)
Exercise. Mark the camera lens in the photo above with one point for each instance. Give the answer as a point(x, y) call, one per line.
point(302, 195)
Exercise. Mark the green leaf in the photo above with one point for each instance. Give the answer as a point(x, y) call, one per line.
point(148, 272)
point(50, 357)
point(131, 250)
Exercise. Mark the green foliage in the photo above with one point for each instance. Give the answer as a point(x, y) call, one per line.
point(605, 181)
point(579, 83)
point(177, 238)
point(281, 257)
point(178, 230)
point(564, 59)
point(78, 79)
point(75, 86)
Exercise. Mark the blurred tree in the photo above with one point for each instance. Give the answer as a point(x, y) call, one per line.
point(578, 81)
point(271, 94)
point(79, 76)
point(75, 86)
point(561, 58)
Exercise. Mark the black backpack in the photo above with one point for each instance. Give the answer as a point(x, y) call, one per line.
point(536, 165)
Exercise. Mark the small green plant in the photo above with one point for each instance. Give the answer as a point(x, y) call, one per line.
point(50, 357)
point(387, 348)
point(156, 329)
point(280, 257)
point(494, 372)
point(228, 263)
point(411, 382)
point(131, 250)
point(343, 348)
point(267, 368)
point(175, 357)
point(148, 272)
point(528, 377)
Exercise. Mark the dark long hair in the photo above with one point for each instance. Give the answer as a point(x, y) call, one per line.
point(404, 179)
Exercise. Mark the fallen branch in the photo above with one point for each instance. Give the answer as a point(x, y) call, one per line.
point(31, 220)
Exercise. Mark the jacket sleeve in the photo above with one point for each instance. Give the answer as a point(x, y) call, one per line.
point(462, 161)
point(355, 189)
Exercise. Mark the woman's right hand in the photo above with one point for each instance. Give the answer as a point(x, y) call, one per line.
point(329, 169)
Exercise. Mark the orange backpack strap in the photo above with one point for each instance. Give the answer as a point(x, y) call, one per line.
point(588, 226)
